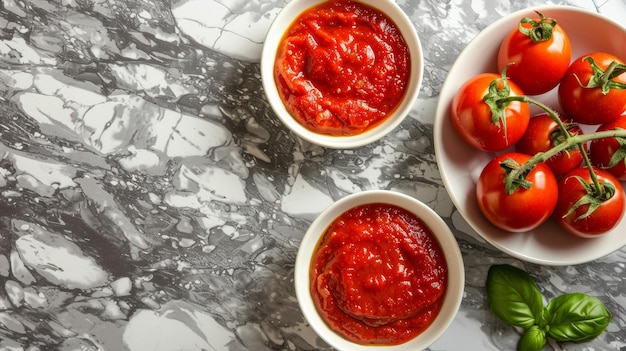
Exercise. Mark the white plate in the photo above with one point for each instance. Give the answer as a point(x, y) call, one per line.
point(460, 165)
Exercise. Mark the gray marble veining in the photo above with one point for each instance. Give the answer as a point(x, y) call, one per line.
point(150, 200)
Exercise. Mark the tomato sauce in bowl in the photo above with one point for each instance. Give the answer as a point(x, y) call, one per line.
point(378, 275)
point(342, 68)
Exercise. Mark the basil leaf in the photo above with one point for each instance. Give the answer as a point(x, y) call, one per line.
point(577, 317)
point(533, 339)
point(514, 297)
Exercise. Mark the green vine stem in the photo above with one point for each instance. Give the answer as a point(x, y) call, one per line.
point(499, 97)
point(598, 187)
point(521, 171)
point(517, 175)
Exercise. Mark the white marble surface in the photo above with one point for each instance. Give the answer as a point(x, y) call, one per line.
point(150, 200)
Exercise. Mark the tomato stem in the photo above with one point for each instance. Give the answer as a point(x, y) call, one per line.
point(596, 183)
point(579, 139)
point(516, 175)
point(499, 97)
point(598, 187)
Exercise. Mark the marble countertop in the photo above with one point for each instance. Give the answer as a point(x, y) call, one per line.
point(150, 199)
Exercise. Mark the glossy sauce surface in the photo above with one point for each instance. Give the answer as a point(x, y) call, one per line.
point(342, 68)
point(378, 275)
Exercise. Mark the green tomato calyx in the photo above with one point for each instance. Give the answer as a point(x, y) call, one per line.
point(603, 79)
point(539, 31)
point(593, 197)
point(512, 183)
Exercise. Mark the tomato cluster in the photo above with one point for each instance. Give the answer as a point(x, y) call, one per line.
point(546, 166)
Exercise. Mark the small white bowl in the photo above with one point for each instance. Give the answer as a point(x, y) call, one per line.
point(272, 41)
point(447, 241)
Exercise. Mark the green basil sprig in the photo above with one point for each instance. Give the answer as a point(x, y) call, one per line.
point(515, 299)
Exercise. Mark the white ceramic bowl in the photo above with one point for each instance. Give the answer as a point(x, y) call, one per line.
point(276, 32)
point(460, 165)
point(447, 241)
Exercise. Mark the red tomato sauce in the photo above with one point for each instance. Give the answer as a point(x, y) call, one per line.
point(342, 68)
point(378, 275)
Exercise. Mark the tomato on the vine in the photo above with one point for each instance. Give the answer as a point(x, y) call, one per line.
point(609, 153)
point(593, 90)
point(581, 210)
point(542, 134)
point(538, 51)
point(528, 205)
point(482, 124)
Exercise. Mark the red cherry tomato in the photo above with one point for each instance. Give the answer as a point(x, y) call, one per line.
point(589, 105)
point(538, 59)
point(524, 209)
point(542, 134)
point(472, 117)
point(602, 151)
point(578, 221)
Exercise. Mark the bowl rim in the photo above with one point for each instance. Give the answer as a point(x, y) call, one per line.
point(447, 241)
point(268, 55)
